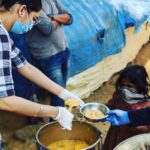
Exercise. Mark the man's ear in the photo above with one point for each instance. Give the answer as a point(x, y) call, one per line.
point(22, 10)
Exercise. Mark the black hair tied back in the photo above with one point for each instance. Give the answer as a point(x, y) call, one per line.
point(32, 5)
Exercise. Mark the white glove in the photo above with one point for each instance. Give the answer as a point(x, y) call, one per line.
point(67, 95)
point(64, 118)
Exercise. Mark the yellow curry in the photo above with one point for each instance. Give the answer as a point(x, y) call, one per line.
point(94, 114)
point(68, 145)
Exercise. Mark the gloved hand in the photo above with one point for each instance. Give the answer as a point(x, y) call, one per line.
point(118, 117)
point(64, 118)
point(67, 95)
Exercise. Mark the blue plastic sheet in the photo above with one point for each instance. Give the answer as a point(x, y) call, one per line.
point(97, 32)
point(137, 10)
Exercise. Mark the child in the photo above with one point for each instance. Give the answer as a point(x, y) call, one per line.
point(131, 93)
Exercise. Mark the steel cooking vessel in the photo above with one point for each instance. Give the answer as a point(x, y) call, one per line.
point(52, 132)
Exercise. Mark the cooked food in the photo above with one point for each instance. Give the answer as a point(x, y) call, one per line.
point(68, 145)
point(72, 102)
point(94, 114)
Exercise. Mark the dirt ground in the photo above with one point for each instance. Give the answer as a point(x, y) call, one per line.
point(9, 125)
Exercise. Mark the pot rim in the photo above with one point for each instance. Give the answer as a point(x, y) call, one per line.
point(91, 146)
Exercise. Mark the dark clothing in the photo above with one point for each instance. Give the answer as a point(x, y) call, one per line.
point(44, 40)
point(118, 134)
point(140, 117)
point(56, 68)
point(48, 46)
point(25, 91)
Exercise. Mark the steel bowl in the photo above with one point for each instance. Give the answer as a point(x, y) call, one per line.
point(94, 106)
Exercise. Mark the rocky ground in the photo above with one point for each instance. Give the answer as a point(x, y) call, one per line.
point(24, 135)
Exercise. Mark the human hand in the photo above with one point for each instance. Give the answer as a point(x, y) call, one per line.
point(64, 118)
point(118, 117)
point(65, 95)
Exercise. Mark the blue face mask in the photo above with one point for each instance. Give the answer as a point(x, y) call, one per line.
point(20, 28)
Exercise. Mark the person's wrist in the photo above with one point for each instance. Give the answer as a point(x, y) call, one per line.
point(64, 95)
point(41, 109)
point(56, 113)
point(51, 16)
point(126, 117)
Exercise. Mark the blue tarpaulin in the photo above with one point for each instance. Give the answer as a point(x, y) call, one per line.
point(98, 31)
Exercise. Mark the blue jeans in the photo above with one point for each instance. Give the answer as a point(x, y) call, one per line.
point(56, 68)
point(23, 87)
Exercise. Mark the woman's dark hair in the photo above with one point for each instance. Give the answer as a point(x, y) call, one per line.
point(136, 75)
point(32, 5)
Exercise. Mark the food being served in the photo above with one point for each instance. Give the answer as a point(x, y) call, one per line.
point(68, 145)
point(94, 114)
point(72, 103)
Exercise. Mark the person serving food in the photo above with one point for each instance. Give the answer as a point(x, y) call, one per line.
point(19, 16)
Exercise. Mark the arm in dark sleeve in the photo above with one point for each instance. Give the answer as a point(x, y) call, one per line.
point(62, 10)
point(45, 26)
point(140, 117)
point(112, 102)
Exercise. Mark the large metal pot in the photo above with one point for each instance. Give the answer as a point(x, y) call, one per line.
point(52, 132)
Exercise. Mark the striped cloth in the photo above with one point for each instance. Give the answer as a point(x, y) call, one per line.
point(10, 56)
